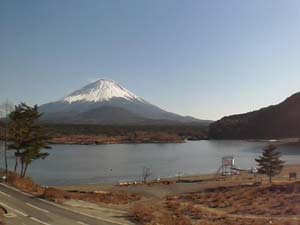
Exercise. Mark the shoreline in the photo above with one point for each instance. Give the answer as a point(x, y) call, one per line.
point(158, 191)
point(126, 139)
point(111, 140)
point(115, 143)
point(99, 140)
point(193, 178)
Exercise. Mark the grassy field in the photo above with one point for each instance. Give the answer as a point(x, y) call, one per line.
point(236, 205)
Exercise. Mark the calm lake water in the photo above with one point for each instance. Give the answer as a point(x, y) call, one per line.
point(79, 164)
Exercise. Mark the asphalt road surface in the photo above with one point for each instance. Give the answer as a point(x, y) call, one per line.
point(24, 209)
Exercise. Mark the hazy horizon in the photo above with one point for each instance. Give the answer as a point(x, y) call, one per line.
point(206, 59)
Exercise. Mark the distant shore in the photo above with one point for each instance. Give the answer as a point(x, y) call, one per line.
point(154, 138)
point(126, 139)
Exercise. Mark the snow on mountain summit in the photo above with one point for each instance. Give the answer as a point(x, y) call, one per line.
point(105, 102)
point(101, 90)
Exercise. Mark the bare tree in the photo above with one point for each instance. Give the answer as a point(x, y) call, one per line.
point(5, 109)
point(146, 173)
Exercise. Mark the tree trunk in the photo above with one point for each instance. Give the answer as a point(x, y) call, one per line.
point(22, 166)
point(25, 170)
point(16, 164)
point(270, 179)
point(5, 150)
point(5, 158)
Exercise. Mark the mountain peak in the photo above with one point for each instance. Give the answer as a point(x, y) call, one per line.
point(101, 90)
point(107, 102)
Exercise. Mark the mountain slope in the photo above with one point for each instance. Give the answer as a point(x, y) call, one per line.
point(279, 121)
point(92, 103)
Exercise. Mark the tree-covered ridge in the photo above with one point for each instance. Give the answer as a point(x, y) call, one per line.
point(273, 122)
point(184, 131)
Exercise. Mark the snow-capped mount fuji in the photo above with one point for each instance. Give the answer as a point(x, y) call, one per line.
point(107, 102)
point(102, 90)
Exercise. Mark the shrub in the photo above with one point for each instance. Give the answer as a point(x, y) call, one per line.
point(142, 213)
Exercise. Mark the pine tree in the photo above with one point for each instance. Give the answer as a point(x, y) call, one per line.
point(269, 163)
point(27, 136)
point(38, 141)
point(19, 131)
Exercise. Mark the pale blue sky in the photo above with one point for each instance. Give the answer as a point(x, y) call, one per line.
point(202, 58)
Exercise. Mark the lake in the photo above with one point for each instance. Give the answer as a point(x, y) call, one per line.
point(89, 164)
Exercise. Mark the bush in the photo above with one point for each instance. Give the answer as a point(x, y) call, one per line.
point(142, 213)
point(25, 184)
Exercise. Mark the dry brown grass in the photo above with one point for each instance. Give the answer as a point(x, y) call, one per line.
point(24, 184)
point(142, 213)
point(54, 194)
point(107, 198)
point(173, 213)
point(275, 200)
point(157, 214)
point(276, 205)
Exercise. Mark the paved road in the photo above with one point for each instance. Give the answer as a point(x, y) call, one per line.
point(24, 209)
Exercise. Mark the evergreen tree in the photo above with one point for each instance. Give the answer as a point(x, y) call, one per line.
point(27, 136)
point(19, 131)
point(269, 163)
point(38, 141)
